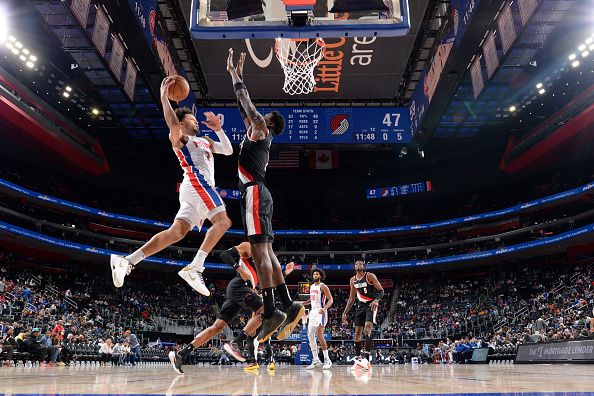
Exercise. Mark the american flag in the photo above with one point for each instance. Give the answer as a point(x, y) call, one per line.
point(284, 159)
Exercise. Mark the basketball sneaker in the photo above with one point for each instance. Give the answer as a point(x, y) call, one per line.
point(195, 279)
point(294, 314)
point(327, 365)
point(269, 325)
point(314, 364)
point(120, 267)
point(363, 363)
point(233, 349)
point(271, 366)
point(176, 361)
point(251, 367)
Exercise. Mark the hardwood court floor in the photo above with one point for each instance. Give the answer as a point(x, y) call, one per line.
point(292, 380)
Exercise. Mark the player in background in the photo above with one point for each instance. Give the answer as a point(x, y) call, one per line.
point(198, 197)
point(257, 208)
point(321, 300)
point(368, 290)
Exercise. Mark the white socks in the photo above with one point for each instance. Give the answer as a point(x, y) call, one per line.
point(135, 257)
point(326, 357)
point(198, 262)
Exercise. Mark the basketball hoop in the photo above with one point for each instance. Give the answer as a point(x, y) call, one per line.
point(298, 58)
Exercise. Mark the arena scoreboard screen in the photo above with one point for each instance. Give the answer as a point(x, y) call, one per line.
point(326, 125)
point(303, 289)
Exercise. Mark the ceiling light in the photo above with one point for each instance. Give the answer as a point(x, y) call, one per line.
point(575, 63)
point(15, 51)
point(33, 58)
point(66, 94)
point(30, 65)
point(25, 51)
point(23, 58)
point(539, 86)
point(95, 111)
point(582, 47)
point(541, 91)
point(512, 108)
point(585, 53)
point(68, 88)
point(572, 57)
point(19, 45)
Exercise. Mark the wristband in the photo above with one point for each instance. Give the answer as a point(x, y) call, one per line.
point(238, 86)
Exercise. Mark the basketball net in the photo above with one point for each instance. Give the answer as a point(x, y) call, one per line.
point(298, 58)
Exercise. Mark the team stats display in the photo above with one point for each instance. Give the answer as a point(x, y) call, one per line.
point(394, 191)
point(326, 125)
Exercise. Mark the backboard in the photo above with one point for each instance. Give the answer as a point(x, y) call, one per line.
point(209, 20)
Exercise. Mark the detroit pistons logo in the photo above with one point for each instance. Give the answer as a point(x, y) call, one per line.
point(339, 124)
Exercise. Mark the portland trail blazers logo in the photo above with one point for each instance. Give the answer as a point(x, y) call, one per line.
point(339, 124)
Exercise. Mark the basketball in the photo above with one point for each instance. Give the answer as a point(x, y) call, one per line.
point(179, 90)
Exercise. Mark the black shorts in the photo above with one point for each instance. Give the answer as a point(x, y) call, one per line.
point(256, 213)
point(239, 296)
point(363, 313)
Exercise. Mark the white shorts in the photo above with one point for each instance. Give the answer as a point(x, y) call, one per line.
point(316, 319)
point(198, 202)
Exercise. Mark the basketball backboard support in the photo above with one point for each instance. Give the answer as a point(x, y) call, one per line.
point(209, 21)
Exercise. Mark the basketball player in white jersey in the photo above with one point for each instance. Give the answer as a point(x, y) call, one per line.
point(198, 198)
point(321, 300)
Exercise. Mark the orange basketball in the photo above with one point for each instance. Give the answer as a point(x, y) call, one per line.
point(179, 89)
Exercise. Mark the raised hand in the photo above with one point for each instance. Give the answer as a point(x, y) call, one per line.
point(230, 66)
point(165, 84)
point(212, 121)
point(240, 65)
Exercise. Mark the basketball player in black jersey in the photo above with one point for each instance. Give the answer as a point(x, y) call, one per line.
point(256, 208)
point(368, 291)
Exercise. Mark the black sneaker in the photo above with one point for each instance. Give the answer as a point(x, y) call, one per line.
point(269, 325)
point(233, 349)
point(294, 314)
point(176, 361)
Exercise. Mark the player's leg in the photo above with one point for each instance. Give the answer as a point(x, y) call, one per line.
point(121, 266)
point(293, 310)
point(312, 328)
point(324, 345)
point(272, 318)
point(192, 273)
point(367, 331)
point(204, 336)
point(254, 303)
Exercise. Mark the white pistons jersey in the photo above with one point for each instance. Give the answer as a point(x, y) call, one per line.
point(196, 160)
point(317, 297)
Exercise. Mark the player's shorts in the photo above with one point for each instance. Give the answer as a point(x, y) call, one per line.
point(364, 313)
point(256, 213)
point(239, 296)
point(198, 201)
point(315, 319)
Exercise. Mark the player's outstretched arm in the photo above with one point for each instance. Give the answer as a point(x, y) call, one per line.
point(168, 112)
point(223, 146)
point(259, 129)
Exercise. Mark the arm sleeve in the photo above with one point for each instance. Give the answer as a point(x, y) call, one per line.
point(229, 256)
point(223, 146)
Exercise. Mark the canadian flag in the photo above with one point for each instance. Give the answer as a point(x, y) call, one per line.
point(323, 159)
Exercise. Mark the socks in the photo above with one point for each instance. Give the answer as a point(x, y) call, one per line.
point(135, 257)
point(283, 294)
point(358, 347)
point(368, 346)
point(268, 297)
point(185, 351)
point(326, 356)
point(198, 262)
point(240, 338)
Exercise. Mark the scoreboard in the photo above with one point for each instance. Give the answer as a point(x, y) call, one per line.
point(394, 191)
point(325, 125)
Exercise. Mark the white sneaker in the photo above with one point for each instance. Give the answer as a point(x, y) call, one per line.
point(314, 364)
point(363, 363)
point(120, 267)
point(195, 279)
point(327, 365)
